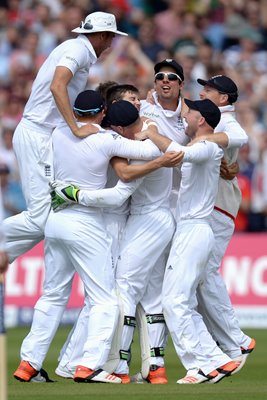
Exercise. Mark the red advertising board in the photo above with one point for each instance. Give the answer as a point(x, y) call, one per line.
point(244, 270)
point(24, 281)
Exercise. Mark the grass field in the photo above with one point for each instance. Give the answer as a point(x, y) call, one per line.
point(249, 384)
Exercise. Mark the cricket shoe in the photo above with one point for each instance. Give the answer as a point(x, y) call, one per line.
point(125, 378)
point(64, 372)
point(157, 375)
point(224, 371)
point(245, 353)
point(250, 348)
point(26, 373)
point(194, 377)
point(87, 375)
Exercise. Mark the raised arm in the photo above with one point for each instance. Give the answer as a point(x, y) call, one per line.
point(59, 90)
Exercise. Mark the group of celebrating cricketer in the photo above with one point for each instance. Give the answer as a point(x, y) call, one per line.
point(144, 197)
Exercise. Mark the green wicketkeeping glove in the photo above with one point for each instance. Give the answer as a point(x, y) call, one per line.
point(63, 194)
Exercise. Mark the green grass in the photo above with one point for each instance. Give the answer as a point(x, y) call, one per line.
point(249, 384)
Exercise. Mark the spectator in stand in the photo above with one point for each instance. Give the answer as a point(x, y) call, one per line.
point(12, 196)
point(42, 26)
point(7, 154)
point(249, 118)
point(147, 39)
point(169, 23)
point(257, 218)
point(246, 166)
point(242, 218)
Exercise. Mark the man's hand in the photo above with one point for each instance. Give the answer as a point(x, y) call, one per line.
point(85, 130)
point(171, 159)
point(228, 172)
point(63, 194)
point(149, 96)
point(142, 135)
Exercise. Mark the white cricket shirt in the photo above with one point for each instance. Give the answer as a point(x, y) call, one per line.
point(75, 54)
point(148, 193)
point(199, 183)
point(229, 195)
point(84, 162)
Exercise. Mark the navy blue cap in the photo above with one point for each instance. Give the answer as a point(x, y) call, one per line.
point(207, 109)
point(223, 84)
point(122, 113)
point(88, 102)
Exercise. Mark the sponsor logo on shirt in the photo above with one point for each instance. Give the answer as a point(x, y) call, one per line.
point(73, 60)
point(151, 114)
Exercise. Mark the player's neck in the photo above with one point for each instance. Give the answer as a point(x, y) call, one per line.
point(168, 104)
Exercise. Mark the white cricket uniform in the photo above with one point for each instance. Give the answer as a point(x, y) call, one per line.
point(76, 240)
point(190, 250)
point(148, 232)
point(169, 124)
point(214, 301)
point(33, 144)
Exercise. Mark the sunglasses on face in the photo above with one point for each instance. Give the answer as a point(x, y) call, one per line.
point(171, 76)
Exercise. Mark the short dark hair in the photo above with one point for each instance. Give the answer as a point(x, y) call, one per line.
point(115, 93)
point(103, 87)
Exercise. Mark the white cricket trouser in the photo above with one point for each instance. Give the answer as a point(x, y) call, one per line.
point(152, 304)
point(33, 147)
point(213, 298)
point(72, 350)
point(145, 238)
point(191, 247)
point(75, 241)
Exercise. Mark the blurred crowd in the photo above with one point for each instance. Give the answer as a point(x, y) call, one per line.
point(207, 37)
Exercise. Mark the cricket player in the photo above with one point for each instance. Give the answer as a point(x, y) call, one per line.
point(191, 247)
point(214, 301)
point(76, 240)
point(166, 110)
point(61, 78)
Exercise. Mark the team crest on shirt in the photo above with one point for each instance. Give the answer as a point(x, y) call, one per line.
point(47, 170)
point(115, 136)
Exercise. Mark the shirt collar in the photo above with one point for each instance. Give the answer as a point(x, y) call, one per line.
point(178, 109)
point(229, 108)
point(89, 46)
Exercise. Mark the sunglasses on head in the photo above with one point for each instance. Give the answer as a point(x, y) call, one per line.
point(86, 25)
point(171, 76)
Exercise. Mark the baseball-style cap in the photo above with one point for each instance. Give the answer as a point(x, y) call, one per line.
point(170, 63)
point(99, 22)
point(207, 109)
point(88, 102)
point(222, 83)
point(122, 113)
